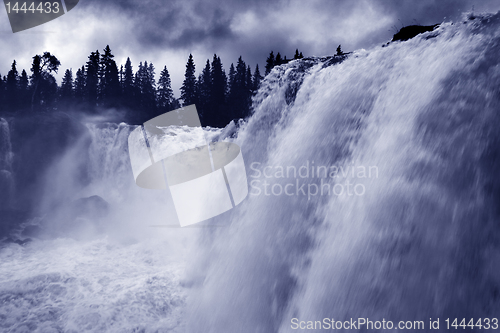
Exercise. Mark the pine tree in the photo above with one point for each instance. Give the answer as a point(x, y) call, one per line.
point(92, 79)
point(270, 62)
point(145, 87)
point(203, 90)
point(24, 93)
point(109, 85)
point(232, 73)
point(44, 85)
point(138, 98)
point(339, 51)
point(257, 78)
point(23, 81)
point(297, 55)
point(36, 72)
point(248, 90)
point(139, 81)
point(165, 100)
point(248, 78)
point(137, 88)
point(12, 89)
point(149, 89)
point(188, 89)
point(79, 89)
point(128, 89)
point(240, 93)
point(218, 109)
point(278, 61)
point(66, 91)
point(121, 76)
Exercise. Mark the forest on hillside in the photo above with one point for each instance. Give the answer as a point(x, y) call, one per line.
point(101, 85)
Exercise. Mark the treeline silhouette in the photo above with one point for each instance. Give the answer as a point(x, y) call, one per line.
point(100, 85)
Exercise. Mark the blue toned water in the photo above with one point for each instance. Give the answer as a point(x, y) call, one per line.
point(422, 241)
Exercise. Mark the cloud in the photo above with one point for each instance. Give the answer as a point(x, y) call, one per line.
point(165, 32)
point(314, 23)
point(174, 24)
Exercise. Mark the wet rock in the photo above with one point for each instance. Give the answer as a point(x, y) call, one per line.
point(411, 31)
point(92, 207)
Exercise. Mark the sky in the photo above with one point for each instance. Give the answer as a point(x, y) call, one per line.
point(165, 32)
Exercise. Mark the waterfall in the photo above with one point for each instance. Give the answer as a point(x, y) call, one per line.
point(108, 156)
point(373, 193)
point(419, 237)
point(6, 157)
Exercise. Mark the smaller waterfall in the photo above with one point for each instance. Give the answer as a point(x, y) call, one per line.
point(6, 157)
point(108, 159)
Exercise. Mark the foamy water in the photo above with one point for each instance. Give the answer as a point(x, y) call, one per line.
point(98, 286)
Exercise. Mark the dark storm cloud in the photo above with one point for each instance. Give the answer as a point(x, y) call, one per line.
point(425, 12)
point(217, 29)
point(176, 24)
point(165, 32)
point(185, 24)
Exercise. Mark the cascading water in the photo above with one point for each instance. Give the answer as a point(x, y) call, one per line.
point(6, 156)
point(373, 193)
point(5, 146)
point(418, 240)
